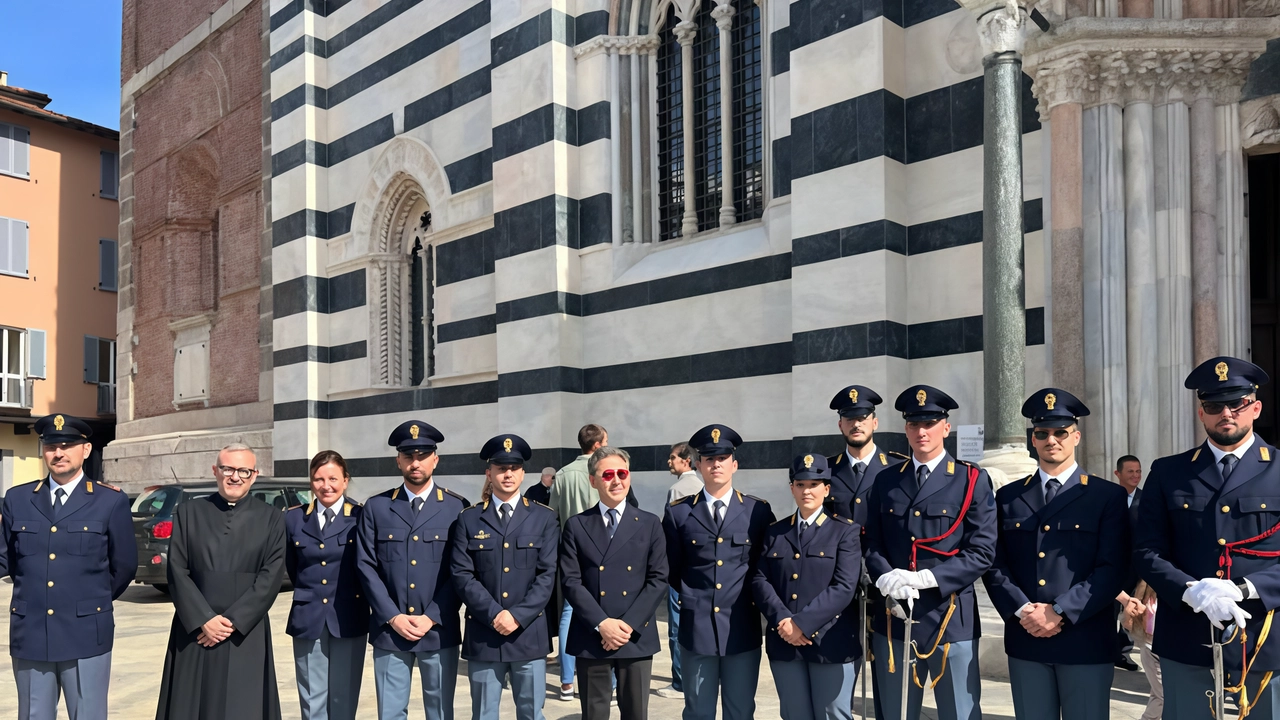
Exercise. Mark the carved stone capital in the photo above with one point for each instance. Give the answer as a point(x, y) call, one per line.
point(1095, 61)
point(723, 15)
point(1003, 29)
point(618, 45)
point(685, 31)
point(1260, 125)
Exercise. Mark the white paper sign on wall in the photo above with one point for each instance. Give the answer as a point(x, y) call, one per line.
point(969, 443)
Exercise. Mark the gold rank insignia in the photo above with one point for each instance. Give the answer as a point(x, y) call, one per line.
point(59, 422)
point(1084, 480)
point(482, 535)
point(853, 394)
point(506, 444)
point(921, 397)
point(413, 431)
point(1265, 453)
point(1050, 400)
point(808, 461)
point(715, 435)
point(1220, 368)
point(951, 468)
point(883, 460)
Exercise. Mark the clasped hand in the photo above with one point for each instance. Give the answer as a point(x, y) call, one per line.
point(792, 633)
point(1039, 620)
point(215, 631)
point(412, 627)
point(614, 633)
point(902, 584)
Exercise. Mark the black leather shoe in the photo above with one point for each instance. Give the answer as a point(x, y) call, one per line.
point(1124, 663)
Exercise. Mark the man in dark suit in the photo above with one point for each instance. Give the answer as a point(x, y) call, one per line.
point(713, 544)
point(504, 564)
point(931, 533)
point(70, 550)
point(614, 567)
point(1128, 474)
point(1061, 559)
point(1208, 543)
point(403, 558)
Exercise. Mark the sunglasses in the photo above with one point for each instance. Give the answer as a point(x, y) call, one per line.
point(1235, 406)
point(610, 474)
point(1060, 434)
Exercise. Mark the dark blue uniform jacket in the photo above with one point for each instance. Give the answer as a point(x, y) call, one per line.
point(811, 581)
point(624, 577)
point(67, 567)
point(1073, 552)
point(323, 569)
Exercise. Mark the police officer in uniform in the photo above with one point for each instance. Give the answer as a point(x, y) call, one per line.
point(504, 564)
point(69, 547)
point(713, 542)
point(931, 533)
point(1208, 542)
point(329, 619)
point(1061, 559)
point(803, 584)
point(403, 557)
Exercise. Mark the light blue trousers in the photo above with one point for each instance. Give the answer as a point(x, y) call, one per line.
point(528, 687)
point(82, 683)
point(1067, 692)
point(732, 679)
point(329, 670)
point(392, 672)
point(957, 694)
point(814, 691)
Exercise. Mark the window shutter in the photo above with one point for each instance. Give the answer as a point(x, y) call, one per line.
point(107, 265)
point(18, 252)
point(110, 177)
point(6, 148)
point(21, 151)
point(91, 359)
point(6, 242)
point(36, 353)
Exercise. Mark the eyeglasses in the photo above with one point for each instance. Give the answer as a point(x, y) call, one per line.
point(610, 474)
point(242, 473)
point(1059, 434)
point(1235, 406)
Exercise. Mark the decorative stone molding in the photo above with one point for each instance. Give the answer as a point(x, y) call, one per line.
point(618, 45)
point(1096, 61)
point(1001, 27)
point(1260, 125)
point(1259, 8)
point(191, 360)
point(685, 31)
point(723, 15)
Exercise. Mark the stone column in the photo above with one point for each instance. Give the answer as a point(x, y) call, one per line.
point(1172, 164)
point(723, 15)
point(1140, 269)
point(1001, 31)
point(1067, 248)
point(1234, 331)
point(1204, 229)
point(686, 31)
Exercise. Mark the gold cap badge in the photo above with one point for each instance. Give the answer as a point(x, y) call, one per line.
point(1050, 400)
point(413, 431)
point(1221, 369)
point(808, 461)
point(920, 397)
point(58, 422)
point(853, 395)
point(506, 444)
point(715, 435)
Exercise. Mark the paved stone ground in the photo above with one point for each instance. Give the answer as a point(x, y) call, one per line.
point(142, 626)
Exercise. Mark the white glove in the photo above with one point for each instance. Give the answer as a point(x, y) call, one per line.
point(1199, 594)
point(1220, 610)
point(925, 580)
point(891, 581)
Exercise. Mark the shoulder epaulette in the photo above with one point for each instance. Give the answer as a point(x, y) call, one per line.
point(897, 454)
point(541, 504)
point(464, 500)
point(292, 507)
point(757, 499)
point(966, 463)
point(105, 485)
point(789, 518)
point(29, 482)
point(1027, 480)
point(1195, 455)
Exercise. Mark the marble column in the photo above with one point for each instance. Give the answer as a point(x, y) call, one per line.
point(723, 15)
point(1066, 249)
point(686, 31)
point(1234, 331)
point(1204, 230)
point(1105, 340)
point(1172, 165)
point(1140, 269)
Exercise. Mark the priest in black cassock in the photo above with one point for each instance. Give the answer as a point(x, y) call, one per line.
point(226, 562)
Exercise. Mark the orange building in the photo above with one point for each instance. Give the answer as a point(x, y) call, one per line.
point(59, 180)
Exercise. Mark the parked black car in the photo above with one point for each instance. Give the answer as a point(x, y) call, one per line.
point(153, 518)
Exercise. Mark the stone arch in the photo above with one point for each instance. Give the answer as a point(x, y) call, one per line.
point(405, 163)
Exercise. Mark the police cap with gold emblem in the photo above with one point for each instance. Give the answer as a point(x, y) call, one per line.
point(506, 450)
point(812, 466)
point(714, 440)
point(855, 401)
point(1053, 408)
point(1225, 378)
point(59, 428)
point(415, 435)
point(922, 402)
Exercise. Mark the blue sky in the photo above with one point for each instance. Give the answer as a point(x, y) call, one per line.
point(69, 50)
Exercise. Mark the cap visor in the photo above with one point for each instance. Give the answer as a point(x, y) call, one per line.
point(416, 447)
point(1053, 422)
point(919, 417)
point(1225, 395)
point(811, 476)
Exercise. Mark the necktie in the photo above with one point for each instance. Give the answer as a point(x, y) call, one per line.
point(59, 497)
point(328, 516)
point(612, 523)
point(719, 507)
point(803, 526)
point(1051, 489)
point(859, 471)
point(922, 474)
point(1228, 464)
point(504, 513)
point(417, 504)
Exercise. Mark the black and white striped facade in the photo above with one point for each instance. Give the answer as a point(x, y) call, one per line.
point(525, 128)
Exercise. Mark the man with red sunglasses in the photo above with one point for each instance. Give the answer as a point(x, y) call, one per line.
point(613, 565)
point(1208, 536)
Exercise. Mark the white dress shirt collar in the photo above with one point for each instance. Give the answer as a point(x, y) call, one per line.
point(932, 464)
point(336, 508)
point(812, 518)
point(426, 491)
point(1219, 453)
point(1062, 477)
point(68, 488)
